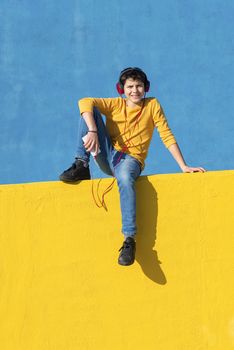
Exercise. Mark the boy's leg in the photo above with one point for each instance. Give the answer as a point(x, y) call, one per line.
point(103, 159)
point(126, 172)
point(80, 168)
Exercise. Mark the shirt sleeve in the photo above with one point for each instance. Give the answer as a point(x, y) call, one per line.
point(162, 126)
point(104, 105)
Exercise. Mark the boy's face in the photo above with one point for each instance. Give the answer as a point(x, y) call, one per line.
point(134, 91)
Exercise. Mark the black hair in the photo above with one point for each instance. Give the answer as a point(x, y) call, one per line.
point(133, 73)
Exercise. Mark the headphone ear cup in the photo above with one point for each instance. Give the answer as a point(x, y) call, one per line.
point(119, 89)
point(147, 86)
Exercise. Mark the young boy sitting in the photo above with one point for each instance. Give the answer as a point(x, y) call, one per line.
point(120, 146)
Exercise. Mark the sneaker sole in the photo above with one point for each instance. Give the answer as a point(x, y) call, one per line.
point(72, 181)
point(125, 264)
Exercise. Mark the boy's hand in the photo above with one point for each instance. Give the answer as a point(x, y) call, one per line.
point(91, 142)
point(175, 151)
point(189, 169)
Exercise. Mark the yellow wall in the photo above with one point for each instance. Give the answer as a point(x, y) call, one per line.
point(61, 286)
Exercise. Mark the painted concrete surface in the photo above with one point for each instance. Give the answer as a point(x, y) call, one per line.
point(60, 284)
point(54, 53)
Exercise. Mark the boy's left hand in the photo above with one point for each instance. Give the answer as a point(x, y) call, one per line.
point(189, 169)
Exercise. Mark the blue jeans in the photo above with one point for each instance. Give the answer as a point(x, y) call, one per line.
point(122, 166)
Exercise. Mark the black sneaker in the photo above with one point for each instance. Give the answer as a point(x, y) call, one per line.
point(127, 254)
point(78, 171)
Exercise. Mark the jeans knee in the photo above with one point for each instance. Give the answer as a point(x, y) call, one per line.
point(125, 179)
point(127, 171)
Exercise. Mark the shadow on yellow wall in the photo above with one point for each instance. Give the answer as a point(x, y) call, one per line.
point(147, 212)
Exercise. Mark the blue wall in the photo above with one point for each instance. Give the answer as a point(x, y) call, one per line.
point(53, 53)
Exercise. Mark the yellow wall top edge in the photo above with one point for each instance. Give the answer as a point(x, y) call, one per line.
point(159, 176)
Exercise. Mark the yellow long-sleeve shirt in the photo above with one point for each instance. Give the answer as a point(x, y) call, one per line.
point(129, 131)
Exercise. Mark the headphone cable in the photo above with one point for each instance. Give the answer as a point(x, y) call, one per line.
point(102, 203)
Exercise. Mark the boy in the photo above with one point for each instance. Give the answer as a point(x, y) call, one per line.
point(120, 147)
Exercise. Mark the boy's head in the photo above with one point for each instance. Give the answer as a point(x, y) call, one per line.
point(135, 74)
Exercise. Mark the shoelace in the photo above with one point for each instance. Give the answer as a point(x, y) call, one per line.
point(73, 166)
point(126, 245)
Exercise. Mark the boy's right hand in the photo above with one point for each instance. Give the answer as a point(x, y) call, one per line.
point(91, 142)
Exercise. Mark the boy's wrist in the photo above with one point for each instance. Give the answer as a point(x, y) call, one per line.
point(183, 167)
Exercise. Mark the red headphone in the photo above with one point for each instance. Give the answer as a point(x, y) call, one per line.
point(134, 70)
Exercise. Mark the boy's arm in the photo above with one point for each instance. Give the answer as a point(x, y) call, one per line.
point(104, 105)
point(169, 139)
point(91, 142)
point(176, 153)
point(86, 106)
